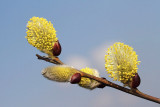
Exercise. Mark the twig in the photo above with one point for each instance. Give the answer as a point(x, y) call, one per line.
point(55, 60)
point(134, 92)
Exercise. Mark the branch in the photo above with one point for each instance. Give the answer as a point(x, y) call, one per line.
point(134, 92)
point(55, 60)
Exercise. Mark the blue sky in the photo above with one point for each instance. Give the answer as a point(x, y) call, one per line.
point(85, 28)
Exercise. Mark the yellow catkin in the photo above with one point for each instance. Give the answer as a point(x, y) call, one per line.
point(41, 34)
point(121, 62)
point(64, 73)
point(87, 82)
point(59, 73)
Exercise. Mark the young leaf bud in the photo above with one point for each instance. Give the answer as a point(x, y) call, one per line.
point(56, 49)
point(135, 81)
point(76, 78)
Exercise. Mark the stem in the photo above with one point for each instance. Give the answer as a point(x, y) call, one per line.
point(134, 92)
point(55, 60)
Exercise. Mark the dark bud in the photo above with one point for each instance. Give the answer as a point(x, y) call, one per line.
point(135, 81)
point(56, 49)
point(102, 85)
point(76, 78)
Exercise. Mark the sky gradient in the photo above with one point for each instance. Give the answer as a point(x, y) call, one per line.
point(85, 29)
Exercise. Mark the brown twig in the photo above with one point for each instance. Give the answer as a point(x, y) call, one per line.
point(55, 60)
point(134, 92)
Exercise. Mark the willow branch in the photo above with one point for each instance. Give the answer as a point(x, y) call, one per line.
point(134, 92)
point(54, 60)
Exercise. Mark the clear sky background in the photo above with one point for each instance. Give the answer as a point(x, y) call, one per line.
point(85, 28)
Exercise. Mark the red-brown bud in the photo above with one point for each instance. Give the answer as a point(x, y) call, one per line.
point(76, 78)
point(135, 81)
point(102, 85)
point(56, 49)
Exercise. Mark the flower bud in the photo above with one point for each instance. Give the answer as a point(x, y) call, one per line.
point(56, 49)
point(135, 81)
point(76, 78)
point(59, 73)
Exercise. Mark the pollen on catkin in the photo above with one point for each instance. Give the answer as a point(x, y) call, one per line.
point(41, 34)
point(121, 62)
point(87, 82)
